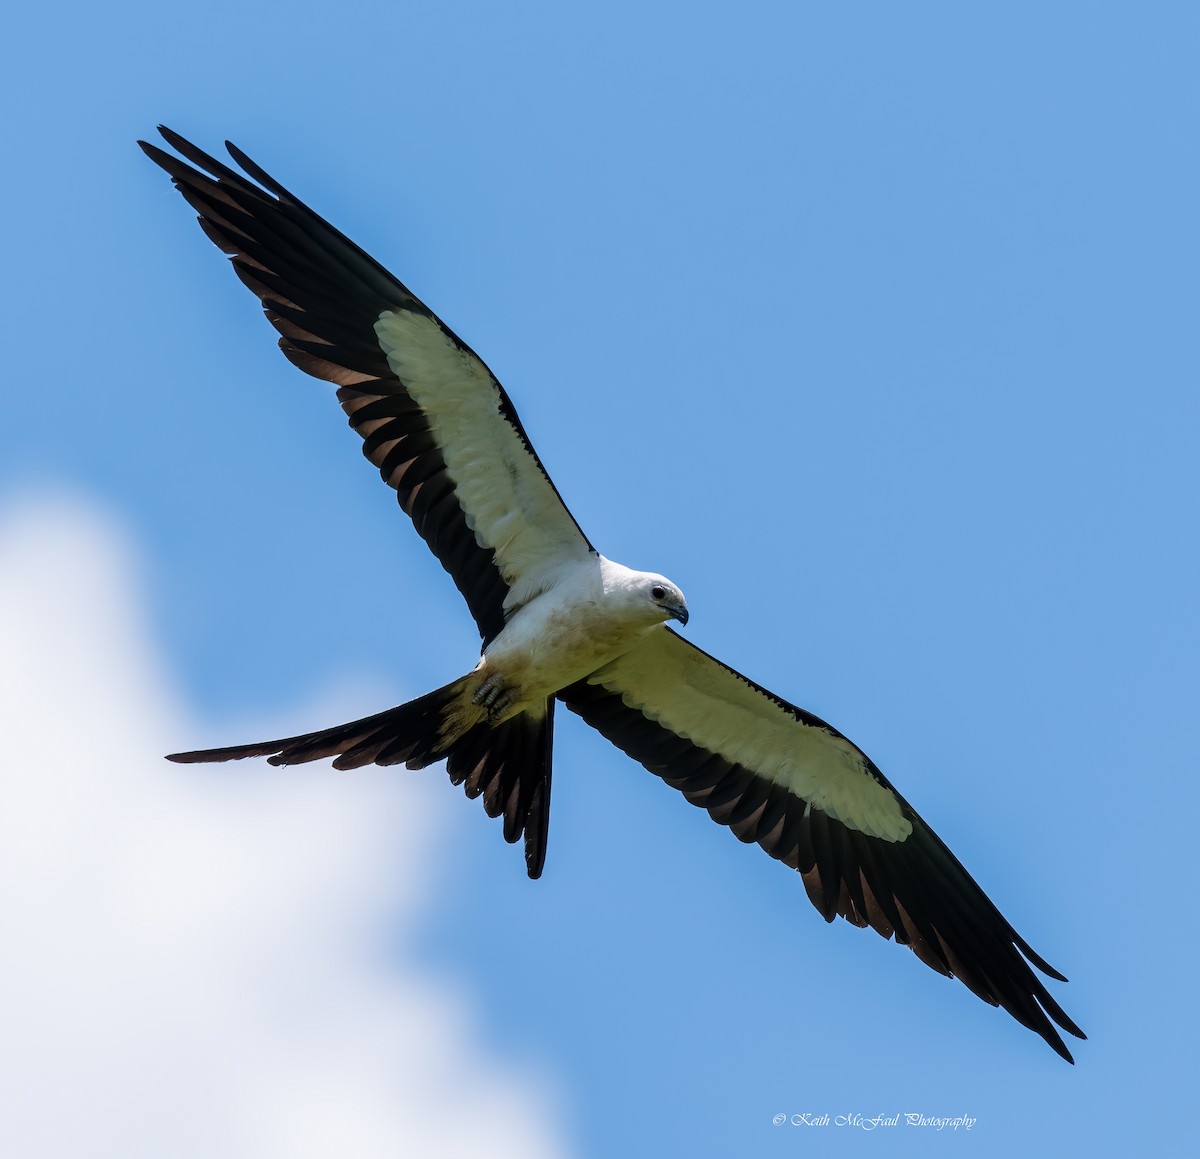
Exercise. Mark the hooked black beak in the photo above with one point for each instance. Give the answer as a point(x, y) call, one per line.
point(678, 612)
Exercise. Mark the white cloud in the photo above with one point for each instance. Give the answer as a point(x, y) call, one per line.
point(192, 959)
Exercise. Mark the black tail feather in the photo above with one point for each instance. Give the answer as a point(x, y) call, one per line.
point(415, 724)
point(510, 767)
point(508, 764)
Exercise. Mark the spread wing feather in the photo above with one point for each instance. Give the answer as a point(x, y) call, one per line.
point(784, 779)
point(434, 421)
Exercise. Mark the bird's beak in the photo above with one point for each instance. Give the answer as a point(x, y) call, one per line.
point(679, 612)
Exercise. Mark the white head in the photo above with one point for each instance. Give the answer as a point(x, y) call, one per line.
point(645, 593)
point(666, 597)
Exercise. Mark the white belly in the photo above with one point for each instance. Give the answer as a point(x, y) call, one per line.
point(563, 635)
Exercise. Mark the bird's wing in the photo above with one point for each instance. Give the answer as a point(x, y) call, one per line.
point(433, 419)
point(782, 777)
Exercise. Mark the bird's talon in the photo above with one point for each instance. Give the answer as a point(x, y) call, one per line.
point(493, 697)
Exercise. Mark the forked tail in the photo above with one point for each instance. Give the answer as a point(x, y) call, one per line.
point(507, 764)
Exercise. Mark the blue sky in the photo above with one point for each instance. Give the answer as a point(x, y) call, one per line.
point(874, 329)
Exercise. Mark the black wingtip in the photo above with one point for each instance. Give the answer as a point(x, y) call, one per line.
point(151, 151)
point(172, 138)
point(1054, 1040)
point(1060, 1048)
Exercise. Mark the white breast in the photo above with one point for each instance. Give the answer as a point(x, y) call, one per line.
point(584, 619)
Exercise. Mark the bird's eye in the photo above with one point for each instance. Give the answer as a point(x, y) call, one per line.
point(658, 591)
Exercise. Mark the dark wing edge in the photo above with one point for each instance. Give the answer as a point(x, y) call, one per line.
point(324, 294)
point(915, 891)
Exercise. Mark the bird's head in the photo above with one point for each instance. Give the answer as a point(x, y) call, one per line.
point(665, 596)
point(645, 597)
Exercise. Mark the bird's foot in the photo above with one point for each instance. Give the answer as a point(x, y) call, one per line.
point(493, 696)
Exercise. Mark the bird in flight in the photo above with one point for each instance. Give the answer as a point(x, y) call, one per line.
point(561, 623)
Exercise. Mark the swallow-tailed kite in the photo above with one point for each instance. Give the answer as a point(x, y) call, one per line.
point(560, 622)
